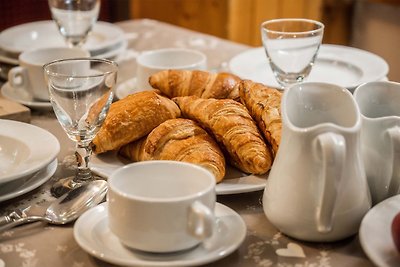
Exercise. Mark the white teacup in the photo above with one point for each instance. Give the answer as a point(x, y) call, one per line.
point(29, 75)
point(152, 61)
point(161, 206)
point(379, 104)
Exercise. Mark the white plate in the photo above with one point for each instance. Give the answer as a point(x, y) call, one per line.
point(234, 182)
point(126, 88)
point(21, 186)
point(24, 97)
point(91, 232)
point(24, 149)
point(375, 233)
point(341, 65)
point(41, 34)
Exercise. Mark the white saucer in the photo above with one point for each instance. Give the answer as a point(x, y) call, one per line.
point(235, 181)
point(24, 97)
point(42, 34)
point(91, 232)
point(341, 65)
point(24, 149)
point(375, 233)
point(21, 186)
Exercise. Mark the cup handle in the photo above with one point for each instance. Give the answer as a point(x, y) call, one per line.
point(17, 77)
point(329, 148)
point(394, 185)
point(201, 221)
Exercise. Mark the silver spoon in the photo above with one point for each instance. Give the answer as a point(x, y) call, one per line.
point(69, 206)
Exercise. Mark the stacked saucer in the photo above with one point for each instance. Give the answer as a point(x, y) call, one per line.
point(105, 41)
point(27, 157)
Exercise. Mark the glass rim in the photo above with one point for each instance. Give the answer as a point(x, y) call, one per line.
point(101, 60)
point(311, 21)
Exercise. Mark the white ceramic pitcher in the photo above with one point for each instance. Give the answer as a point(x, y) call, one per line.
point(317, 188)
point(379, 104)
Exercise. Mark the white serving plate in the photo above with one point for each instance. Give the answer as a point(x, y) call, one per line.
point(92, 234)
point(375, 233)
point(345, 66)
point(42, 34)
point(24, 149)
point(235, 181)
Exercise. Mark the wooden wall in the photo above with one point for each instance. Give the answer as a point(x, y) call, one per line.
point(239, 20)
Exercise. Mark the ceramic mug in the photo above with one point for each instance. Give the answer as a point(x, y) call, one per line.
point(152, 61)
point(29, 75)
point(379, 104)
point(161, 206)
point(317, 189)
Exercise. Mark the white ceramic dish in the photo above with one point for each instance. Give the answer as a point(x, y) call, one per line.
point(24, 97)
point(341, 65)
point(235, 181)
point(375, 233)
point(21, 186)
point(42, 34)
point(126, 88)
point(91, 232)
point(24, 149)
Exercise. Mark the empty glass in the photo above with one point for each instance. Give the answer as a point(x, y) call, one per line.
point(75, 18)
point(81, 92)
point(291, 46)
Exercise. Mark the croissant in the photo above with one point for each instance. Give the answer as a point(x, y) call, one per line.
point(180, 140)
point(203, 84)
point(131, 118)
point(233, 128)
point(264, 105)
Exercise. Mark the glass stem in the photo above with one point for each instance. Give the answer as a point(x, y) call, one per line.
point(82, 155)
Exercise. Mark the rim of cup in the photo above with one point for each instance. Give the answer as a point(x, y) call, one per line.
point(201, 57)
point(321, 26)
point(47, 54)
point(156, 165)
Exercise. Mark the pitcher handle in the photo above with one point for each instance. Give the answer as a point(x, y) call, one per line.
point(394, 185)
point(330, 148)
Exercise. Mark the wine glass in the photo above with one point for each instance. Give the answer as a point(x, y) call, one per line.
point(291, 46)
point(81, 92)
point(74, 18)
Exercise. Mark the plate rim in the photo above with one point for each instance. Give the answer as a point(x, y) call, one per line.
point(378, 59)
point(371, 251)
point(43, 176)
point(52, 144)
point(101, 214)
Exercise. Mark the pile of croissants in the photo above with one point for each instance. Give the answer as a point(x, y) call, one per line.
point(204, 118)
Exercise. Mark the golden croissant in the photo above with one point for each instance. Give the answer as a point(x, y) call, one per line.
point(133, 117)
point(203, 84)
point(180, 140)
point(233, 128)
point(264, 105)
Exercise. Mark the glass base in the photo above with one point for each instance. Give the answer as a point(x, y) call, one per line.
point(65, 185)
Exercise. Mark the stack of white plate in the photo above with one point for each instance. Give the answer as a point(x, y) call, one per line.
point(105, 41)
point(346, 66)
point(27, 158)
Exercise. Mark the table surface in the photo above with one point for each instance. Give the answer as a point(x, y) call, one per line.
point(44, 245)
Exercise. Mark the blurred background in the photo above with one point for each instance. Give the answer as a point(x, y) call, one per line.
point(372, 25)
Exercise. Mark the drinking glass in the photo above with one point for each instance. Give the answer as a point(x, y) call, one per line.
point(81, 92)
point(74, 18)
point(291, 46)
